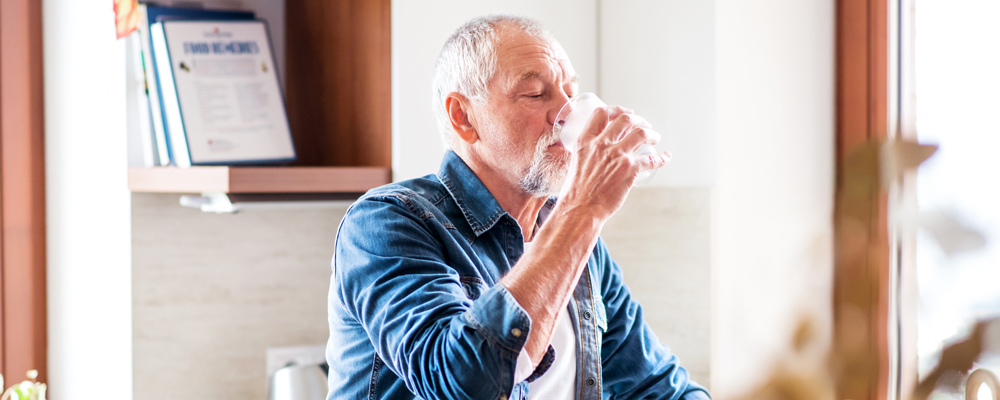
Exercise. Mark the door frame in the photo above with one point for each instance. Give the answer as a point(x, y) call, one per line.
point(23, 334)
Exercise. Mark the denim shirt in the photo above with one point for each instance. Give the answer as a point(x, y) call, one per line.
point(416, 311)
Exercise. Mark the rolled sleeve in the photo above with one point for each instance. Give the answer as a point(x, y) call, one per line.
point(498, 315)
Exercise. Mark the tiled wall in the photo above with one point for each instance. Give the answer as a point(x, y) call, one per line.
point(212, 291)
point(660, 238)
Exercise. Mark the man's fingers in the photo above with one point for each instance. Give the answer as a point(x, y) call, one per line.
point(617, 127)
point(638, 122)
point(638, 137)
point(598, 121)
point(603, 117)
point(651, 161)
point(615, 111)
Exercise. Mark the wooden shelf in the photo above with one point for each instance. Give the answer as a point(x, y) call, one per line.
point(257, 179)
point(338, 95)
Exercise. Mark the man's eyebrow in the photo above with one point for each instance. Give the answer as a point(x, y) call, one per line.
point(528, 75)
point(535, 75)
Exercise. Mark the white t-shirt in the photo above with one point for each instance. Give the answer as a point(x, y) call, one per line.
point(560, 380)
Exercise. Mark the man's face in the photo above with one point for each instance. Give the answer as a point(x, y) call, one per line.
point(534, 79)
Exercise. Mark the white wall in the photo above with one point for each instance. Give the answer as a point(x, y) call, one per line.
point(657, 58)
point(420, 28)
point(88, 206)
point(773, 198)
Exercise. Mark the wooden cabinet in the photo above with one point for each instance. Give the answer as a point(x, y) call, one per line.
point(338, 95)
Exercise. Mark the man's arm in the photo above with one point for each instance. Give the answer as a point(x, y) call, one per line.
point(601, 174)
point(634, 363)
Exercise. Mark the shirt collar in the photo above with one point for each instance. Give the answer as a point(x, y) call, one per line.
point(478, 205)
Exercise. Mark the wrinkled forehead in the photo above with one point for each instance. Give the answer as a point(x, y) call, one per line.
point(521, 55)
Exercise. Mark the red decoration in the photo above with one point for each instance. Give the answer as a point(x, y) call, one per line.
point(126, 16)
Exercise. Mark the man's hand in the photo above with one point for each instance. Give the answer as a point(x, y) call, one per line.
point(603, 169)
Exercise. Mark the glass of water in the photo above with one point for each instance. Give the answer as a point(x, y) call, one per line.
point(572, 120)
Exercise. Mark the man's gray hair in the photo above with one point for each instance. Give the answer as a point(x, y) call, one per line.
point(468, 62)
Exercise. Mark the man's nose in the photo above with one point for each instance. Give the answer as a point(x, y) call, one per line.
point(558, 102)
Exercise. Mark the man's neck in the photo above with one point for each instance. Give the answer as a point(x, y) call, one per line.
point(519, 204)
point(526, 215)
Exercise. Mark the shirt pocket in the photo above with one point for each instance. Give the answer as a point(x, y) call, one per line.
point(600, 315)
point(473, 286)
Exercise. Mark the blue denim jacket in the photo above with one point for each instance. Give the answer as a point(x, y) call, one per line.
point(416, 312)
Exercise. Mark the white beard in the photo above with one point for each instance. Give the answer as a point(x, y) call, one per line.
point(547, 171)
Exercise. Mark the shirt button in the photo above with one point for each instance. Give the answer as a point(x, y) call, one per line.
point(516, 332)
point(586, 315)
point(591, 382)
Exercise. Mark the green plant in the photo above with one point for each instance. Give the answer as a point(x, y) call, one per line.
point(26, 390)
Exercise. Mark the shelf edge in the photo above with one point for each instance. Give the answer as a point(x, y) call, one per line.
point(257, 179)
point(178, 180)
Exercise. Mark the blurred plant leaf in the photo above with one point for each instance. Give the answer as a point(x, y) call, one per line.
point(803, 373)
point(956, 357)
point(950, 234)
point(862, 178)
point(899, 156)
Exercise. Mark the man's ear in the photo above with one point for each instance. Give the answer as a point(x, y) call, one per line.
point(458, 107)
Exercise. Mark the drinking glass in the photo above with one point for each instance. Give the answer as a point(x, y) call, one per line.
point(572, 120)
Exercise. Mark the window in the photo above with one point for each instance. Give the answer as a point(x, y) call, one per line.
point(957, 85)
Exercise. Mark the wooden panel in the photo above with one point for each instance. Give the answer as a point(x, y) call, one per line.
point(306, 179)
point(861, 278)
point(338, 87)
point(852, 74)
point(257, 179)
point(22, 191)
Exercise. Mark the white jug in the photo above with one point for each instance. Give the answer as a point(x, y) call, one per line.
point(299, 382)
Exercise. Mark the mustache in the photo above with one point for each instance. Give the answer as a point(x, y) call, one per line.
point(548, 139)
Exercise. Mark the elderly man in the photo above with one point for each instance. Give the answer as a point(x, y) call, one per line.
point(475, 283)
